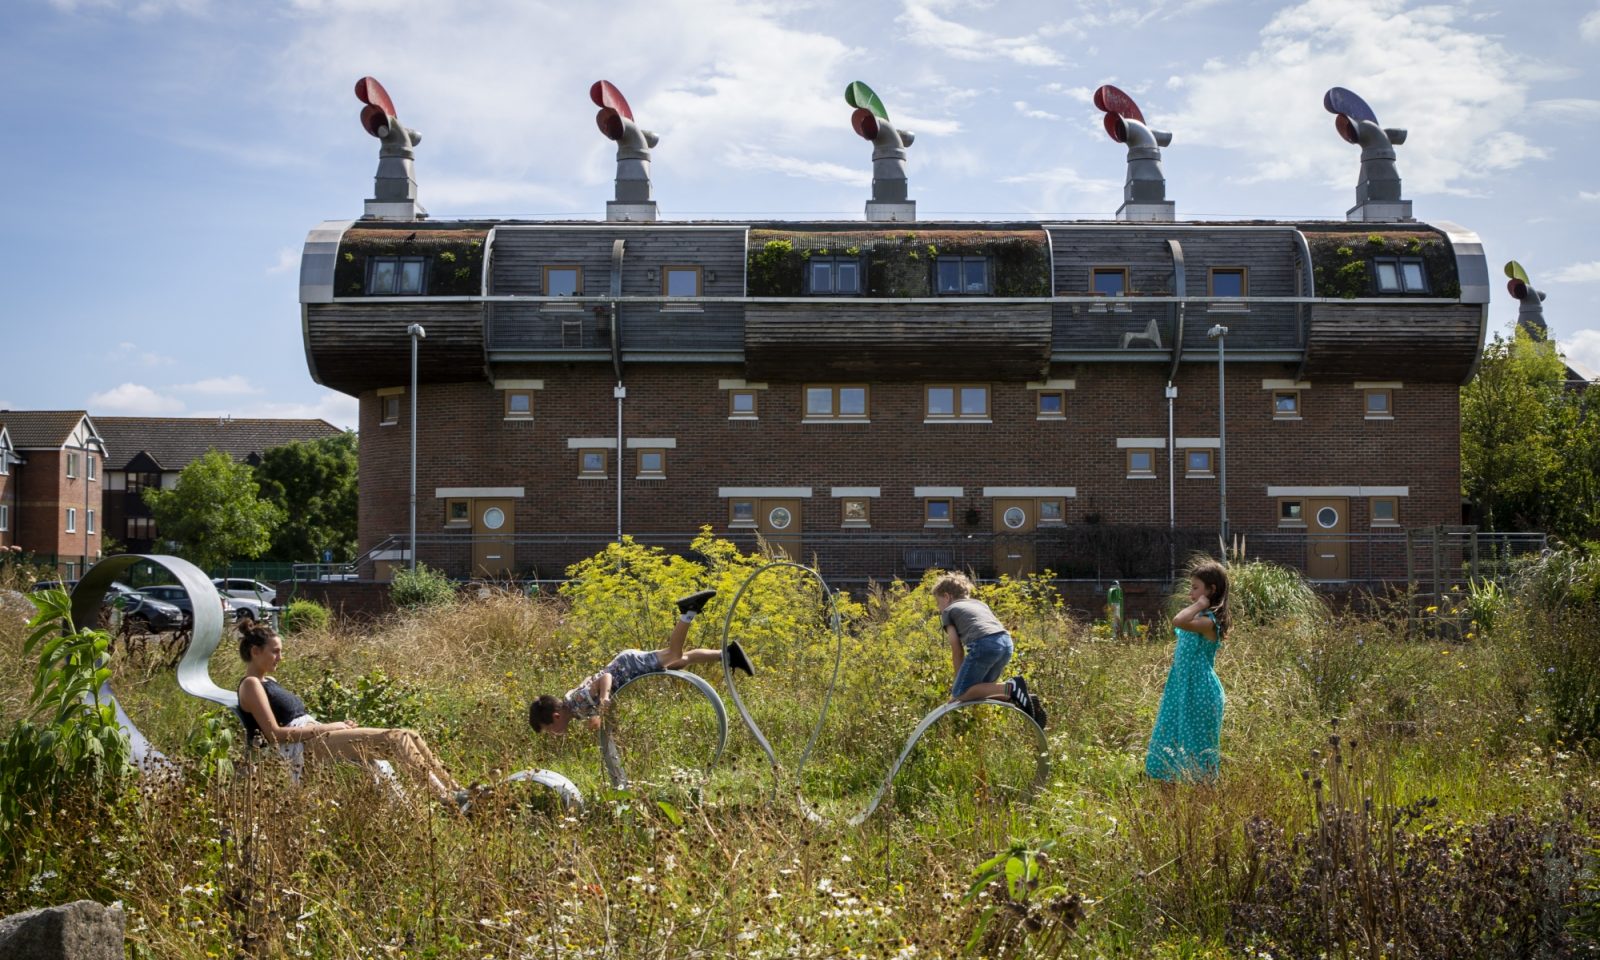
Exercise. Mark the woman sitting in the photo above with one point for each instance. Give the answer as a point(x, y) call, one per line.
point(274, 715)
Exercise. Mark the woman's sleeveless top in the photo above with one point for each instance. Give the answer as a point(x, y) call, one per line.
point(285, 708)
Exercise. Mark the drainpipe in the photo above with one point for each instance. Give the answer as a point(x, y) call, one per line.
point(619, 391)
point(1172, 487)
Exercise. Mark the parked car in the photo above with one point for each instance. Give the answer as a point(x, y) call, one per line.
point(147, 614)
point(245, 589)
point(179, 597)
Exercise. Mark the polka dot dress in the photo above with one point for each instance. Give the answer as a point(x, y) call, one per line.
point(1185, 745)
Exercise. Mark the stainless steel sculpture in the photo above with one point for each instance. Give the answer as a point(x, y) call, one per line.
point(1144, 193)
point(1378, 190)
point(1041, 756)
point(1530, 315)
point(608, 744)
point(889, 143)
point(634, 200)
point(394, 189)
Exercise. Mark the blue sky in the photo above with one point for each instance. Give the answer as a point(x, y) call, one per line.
point(165, 158)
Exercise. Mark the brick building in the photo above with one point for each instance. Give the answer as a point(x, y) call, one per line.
point(50, 485)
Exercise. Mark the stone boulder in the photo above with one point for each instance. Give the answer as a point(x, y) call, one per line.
point(84, 930)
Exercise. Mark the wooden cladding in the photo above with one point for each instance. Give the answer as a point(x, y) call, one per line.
point(1429, 344)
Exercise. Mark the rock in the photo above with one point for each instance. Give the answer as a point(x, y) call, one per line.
point(84, 930)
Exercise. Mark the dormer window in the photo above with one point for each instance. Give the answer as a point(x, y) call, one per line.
point(396, 276)
point(839, 276)
point(1229, 282)
point(563, 281)
point(963, 276)
point(680, 281)
point(1400, 275)
point(1109, 281)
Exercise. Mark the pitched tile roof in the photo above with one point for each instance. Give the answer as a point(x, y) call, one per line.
point(175, 442)
point(40, 429)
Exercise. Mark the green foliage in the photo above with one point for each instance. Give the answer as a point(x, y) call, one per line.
point(421, 588)
point(211, 744)
point(376, 700)
point(301, 616)
point(898, 264)
point(215, 513)
point(775, 270)
point(1375, 240)
point(1335, 665)
point(314, 484)
point(1259, 592)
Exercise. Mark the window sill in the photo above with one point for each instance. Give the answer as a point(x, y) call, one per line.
point(517, 419)
point(1200, 476)
point(743, 417)
point(742, 525)
point(1052, 523)
point(1227, 308)
point(1142, 476)
point(561, 308)
point(1052, 419)
point(1386, 526)
point(388, 423)
point(1371, 416)
point(933, 525)
point(682, 308)
point(593, 476)
point(855, 525)
point(955, 420)
point(1290, 526)
point(834, 420)
point(651, 476)
point(459, 525)
point(1288, 418)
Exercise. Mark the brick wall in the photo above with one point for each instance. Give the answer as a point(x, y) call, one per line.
point(464, 441)
point(44, 492)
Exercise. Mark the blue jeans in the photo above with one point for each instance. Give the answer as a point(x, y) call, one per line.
point(985, 658)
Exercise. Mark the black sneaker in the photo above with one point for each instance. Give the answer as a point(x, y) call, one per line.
point(737, 659)
point(1019, 694)
point(695, 602)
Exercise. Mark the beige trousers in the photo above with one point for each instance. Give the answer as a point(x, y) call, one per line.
point(404, 748)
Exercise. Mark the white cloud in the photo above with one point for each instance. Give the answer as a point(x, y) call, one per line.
point(134, 400)
point(1590, 195)
point(925, 26)
point(7, 405)
point(755, 158)
point(1578, 273)
point(1590, 27)
point(1064, 190)
point(336, 408)
point(128, 352)
point(1460, 94)
point(1031, 113)
point(1080, 94)
point(288, 259)
point(139, 9)
point(234, 385)
point(1566, 110)
point(1583, 349)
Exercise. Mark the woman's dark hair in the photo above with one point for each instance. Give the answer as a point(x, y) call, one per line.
point(252, 635)
point(1215, 577)
point(542, 712)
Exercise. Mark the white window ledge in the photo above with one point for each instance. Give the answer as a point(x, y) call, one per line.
point(1378, 416)
point(682, 308)
point(1052, 419)
point(1386, 525)
point(856, 525)
point(592, 476)
point(742, 525)
point(517, 419)
point(955, 420)
point(1143, 476)
point(938, 525)
point(743, 417)
point(1288, 418)
point(651, 476)
point(1290, 525)
point(835, 420)
point(1200, 476)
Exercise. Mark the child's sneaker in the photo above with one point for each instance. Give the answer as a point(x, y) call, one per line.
point(1036, 711)
point(695, 602)
point(1019, 694)
point(737, 659)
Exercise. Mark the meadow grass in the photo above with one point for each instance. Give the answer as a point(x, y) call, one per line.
point(694, 864)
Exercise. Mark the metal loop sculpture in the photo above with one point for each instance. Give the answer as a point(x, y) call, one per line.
point(1042, 763)
point(396, 181)
point(1125, 123)
point(616, 122)
point(889, 143)
point(1356, 123)
point(608, 744)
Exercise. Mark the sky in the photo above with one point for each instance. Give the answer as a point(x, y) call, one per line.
point(164, 159)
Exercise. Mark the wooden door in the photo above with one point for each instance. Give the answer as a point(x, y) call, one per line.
point(493, 524)
point(1327, 546)
point(1014, 523)
point(779, 523)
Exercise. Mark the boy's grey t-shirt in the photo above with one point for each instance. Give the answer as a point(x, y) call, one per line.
point(972, 619)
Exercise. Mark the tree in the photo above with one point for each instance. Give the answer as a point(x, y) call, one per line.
point(215, 513)
point(314, 483)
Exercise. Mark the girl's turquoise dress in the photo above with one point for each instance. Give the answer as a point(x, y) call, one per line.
point(1185, 745)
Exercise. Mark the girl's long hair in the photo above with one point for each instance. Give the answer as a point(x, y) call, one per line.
point(1215, 577)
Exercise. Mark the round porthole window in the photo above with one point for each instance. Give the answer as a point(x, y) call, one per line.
point(780, 518)
point(494, 518)
point(1014, 517)
point(1327, 518)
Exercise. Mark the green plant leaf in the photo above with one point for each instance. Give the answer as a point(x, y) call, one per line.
point(861, 96)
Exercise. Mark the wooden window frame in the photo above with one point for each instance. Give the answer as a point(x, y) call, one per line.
point(399, 262)
point(1210, 470)
point(1400, 284)
point(861, 275)
point(1061, 505)
point(1043, 414)
point(1127, 288)
point(755, 405)
point(544, 279)
point(988, 275)
point(865, 520)
point(584, 473)
point(955, 413)
point(510, 414)
point(928, 519)
point(384, 420)
point(1140, 474)
point(866, 402)
point(735, 522)
point(638, 460)
point(1286, 521)
point(1244, 280)
point(1372, 511)
point(72, 466)
point(450, 504)
point(1280, 415)
point(1388, 403)
point(699, 279)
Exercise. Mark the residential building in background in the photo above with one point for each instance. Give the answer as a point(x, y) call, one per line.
point(51, 492)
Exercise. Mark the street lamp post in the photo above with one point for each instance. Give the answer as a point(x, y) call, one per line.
point(1219, 333)
point(416, 333)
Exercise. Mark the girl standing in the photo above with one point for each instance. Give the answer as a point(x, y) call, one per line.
point(1186, 743)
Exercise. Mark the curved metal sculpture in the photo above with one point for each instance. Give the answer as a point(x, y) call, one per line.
point(1144, 192)
point(1378, 190)
point(608, 745)
point(394, 188)
point(1530, 315)
point(889, 143)
point(634, 198)
point(1042, 766)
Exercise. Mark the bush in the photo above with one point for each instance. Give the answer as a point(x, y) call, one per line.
point(303, 615)
point(422, 588)
point(374, 701)
point(1259, 592)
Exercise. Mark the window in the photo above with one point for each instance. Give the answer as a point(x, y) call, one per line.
point(1109, 281)
point(838, 276)
point(967, 402)
point(1385, 511)
point(835, 402)
point(741, 513)
point(1229, 282)
point(140, 481)
point(962, 275)
point(390, 413)
point(1052, 404)
point(1380, 404)
point(1291, 513)
point(72, 519)
point(141, 528)
point(938, 511)
point(563, 281)
point(89, 520)
point(742, 404)
point(93, 465)
point(1052, 510)
point(592, 463)
point(1286, 404)
point(680, 281)
point(1141, 463)
point(1399, 275)
point(72, 465)
point(855, 511)
point(458, 513)
point(5, 516)
point(652, 463)
point(519, 404)
point(1197, 463)
point(396, 276)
